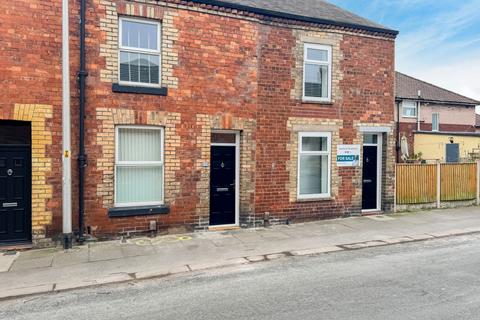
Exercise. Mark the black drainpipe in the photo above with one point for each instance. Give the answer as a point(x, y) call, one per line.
point(82, 157)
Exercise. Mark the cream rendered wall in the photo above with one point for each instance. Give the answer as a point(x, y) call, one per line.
point(432, 146)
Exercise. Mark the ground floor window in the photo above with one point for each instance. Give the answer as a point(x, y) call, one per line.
point(139, 166)
point(314, 153)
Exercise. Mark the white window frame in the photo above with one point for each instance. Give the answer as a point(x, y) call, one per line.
point(119, 163)
point(320, 63)
point(437, 128)
point(328, 153)
point(404, 107)
point(158, 52)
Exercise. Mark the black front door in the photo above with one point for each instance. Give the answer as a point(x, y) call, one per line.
point(369, 197)
point(15, 194)
point(222, 185)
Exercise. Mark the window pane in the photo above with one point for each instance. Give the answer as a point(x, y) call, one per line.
point(316, 81)
point(224, 138)
point(137, 67)
point(314, 144)
point(144, 65)
point(139, 145)
point(409, 112)
point(134, 62)
point(435, 122)
point(139, 184)
point(124, 66)
point(139, 35)
point(317, 54)
point(370, 139)
point(154, 69)
point(313, 174)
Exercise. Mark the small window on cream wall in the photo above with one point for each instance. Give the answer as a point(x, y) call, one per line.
point(409, 109)
point(317, 73)
point(435, 122)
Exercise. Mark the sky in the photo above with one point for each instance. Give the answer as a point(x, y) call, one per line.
point(439, 40)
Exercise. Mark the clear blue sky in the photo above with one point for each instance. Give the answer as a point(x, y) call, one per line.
point(439, 40)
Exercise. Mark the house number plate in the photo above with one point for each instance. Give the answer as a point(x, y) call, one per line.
point(9, 172)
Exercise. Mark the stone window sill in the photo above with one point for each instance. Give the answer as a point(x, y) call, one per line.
point(137, 211)
point(327, 103)
point(157, 91)
point(316, 199)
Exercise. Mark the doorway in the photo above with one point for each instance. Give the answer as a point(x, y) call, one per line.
point(15, 182)
point(372, 172)
point(224, 178)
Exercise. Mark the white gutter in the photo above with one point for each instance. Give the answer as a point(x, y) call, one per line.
point(66, 135)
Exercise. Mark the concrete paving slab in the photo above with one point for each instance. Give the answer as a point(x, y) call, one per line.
point(362, 245)
point(217, 264)
point(132, 250)
point(161, 273)
point(25, 291)
point(6, 261)
point(398, 240)
point(37, 254)
point(420, 237)
point(308, 252)
point(105, 252)
point(24, 264)
point(70, 257)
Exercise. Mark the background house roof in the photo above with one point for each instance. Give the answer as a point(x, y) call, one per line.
point(318, 11)
point(407, 88)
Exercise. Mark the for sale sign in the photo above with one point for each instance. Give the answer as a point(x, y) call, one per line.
point(348, 155)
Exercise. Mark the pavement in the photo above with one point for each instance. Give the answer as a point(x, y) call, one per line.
point(436, 279)
point(52, 270)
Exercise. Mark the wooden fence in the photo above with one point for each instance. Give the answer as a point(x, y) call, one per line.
point(434, 183)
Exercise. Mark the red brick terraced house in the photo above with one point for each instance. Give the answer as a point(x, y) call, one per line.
point(198, 114)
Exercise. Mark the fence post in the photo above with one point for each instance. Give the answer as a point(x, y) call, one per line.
point(478, 182)
point(439, 182)
point(395, 191)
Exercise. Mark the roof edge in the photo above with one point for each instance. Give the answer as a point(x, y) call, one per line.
point(474, 102)
point(291, 16)
point(456, 103)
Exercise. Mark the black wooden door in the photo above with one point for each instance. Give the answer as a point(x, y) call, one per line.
point(15, 194)
point(369, 197)
point(222, 185)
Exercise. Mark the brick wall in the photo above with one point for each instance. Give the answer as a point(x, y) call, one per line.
point(30, 76)
point(224, 70)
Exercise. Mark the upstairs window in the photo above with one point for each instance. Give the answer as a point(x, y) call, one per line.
point(139, 52)
point(409, 109)
point(317, 73)
point(435, 122)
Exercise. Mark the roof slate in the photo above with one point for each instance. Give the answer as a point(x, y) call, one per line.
point(311, 9)
point(407, 88)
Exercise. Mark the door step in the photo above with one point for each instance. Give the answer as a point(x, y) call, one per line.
point(15, 247)
point(372, 213)
point(223, 228)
